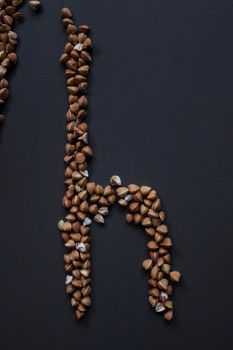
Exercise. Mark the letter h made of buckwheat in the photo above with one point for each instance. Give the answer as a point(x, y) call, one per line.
point(86, 201)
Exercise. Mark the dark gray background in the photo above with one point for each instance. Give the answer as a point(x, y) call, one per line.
point(161, 114)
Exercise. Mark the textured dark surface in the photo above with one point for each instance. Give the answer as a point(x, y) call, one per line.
point(161, 114)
